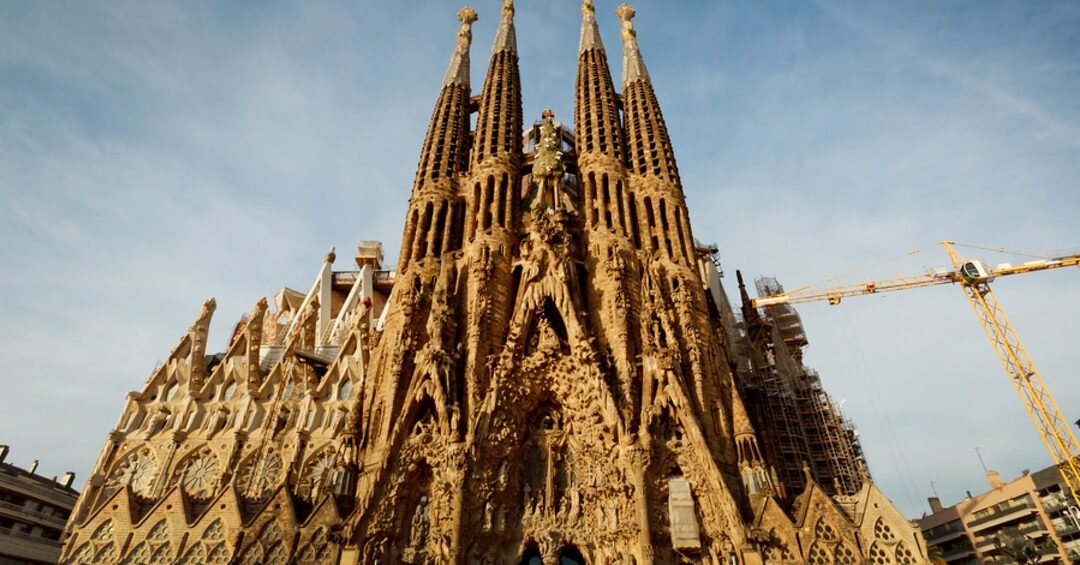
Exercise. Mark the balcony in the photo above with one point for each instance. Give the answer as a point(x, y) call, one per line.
point(958, 554)
point(1015, 512)
point(23, 513)
point(1033, 530)
point(26, 536)
point(1067, 528)
point(23, 547)
point(1053, 504)
point(53, 493)
point(943, 536)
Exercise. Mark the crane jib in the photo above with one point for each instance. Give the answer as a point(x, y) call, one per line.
point(974, 278)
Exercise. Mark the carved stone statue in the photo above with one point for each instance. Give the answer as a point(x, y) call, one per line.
point(548, 167)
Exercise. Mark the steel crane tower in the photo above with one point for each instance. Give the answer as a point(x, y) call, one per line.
point(974, 279)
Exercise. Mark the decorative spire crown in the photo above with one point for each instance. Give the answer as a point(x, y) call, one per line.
point(506, 37)
point(458, 71)
point(590, 32)
point(633, 64)
point(466, 16)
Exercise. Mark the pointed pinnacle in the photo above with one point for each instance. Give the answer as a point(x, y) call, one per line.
point(633, 64)
point(505, 36)
point(590, 32)
point(458, 71)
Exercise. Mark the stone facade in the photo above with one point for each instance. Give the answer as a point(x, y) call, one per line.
point(543, 379)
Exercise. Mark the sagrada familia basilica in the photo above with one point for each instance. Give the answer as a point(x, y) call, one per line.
point(552, 374)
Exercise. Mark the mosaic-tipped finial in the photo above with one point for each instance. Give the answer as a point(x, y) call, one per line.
point(505, 36)
point(466, 16)
point(626, 13)
point(458, 72)
point(633, 65)
point(590, 32)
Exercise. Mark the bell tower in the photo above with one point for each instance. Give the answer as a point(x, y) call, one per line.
point(608, 209)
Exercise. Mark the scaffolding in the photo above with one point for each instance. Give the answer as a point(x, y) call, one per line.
point(797, 419)
point(836, 455)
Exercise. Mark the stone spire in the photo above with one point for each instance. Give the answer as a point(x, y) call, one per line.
point(458, 71)
point(493, 213)
point(648, 144)
point(665, 227)
point(590, 32)
point(428, 228)
point(633, 64)
point(757, 329)
point(499, 123)
point(596, 113)
point(606, 209)
point(505, 36)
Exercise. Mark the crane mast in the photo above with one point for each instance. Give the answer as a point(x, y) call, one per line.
point(974, 279)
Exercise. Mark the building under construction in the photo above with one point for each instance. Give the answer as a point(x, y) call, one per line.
point(802, 430)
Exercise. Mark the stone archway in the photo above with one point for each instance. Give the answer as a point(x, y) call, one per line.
point(570, 555)
point(531, 556)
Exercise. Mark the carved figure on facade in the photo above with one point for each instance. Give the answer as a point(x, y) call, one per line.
point(548, 168)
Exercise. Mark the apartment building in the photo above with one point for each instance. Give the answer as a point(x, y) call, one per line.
point(33, 512)
point(1034, 510)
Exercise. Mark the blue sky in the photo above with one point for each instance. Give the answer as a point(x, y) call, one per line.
point(155, 154)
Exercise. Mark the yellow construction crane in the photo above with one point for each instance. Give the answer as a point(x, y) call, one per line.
point(974, 278)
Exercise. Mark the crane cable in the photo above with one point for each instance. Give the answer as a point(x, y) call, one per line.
point(896, 451)
point(1005, 250)
point(860, 269)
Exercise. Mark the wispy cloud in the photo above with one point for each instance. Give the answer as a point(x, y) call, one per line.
point(152, 155)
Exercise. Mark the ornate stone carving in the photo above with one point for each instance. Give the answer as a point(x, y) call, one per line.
point(259, 474)
point(198, 473)
point(320, 476)
point(138, 470)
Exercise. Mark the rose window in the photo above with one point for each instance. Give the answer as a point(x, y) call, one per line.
point(321, 476)
point(137, 470)
point(260, 474)
point(199, 474)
